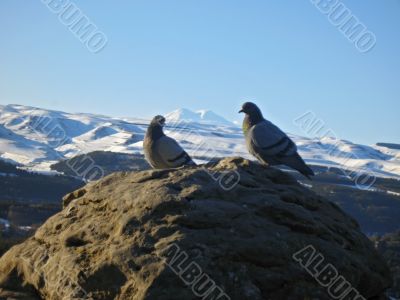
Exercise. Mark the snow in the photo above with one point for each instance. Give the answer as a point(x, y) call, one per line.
point(393, 193)
point(36, 138)
point(25, 228)
point(200, 116)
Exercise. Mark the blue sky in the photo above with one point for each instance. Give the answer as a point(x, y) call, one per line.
point(161, 55)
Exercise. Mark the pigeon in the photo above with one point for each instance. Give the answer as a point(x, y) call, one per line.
point(269, 144)
point(161, 151)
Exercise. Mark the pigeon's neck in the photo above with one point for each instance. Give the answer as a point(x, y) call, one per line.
point(155, 132)
point(252, 119)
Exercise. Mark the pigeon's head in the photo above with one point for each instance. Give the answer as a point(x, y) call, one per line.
point(250, 108)
point(158, 120)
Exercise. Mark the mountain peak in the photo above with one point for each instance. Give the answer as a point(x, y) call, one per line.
point(199, 116)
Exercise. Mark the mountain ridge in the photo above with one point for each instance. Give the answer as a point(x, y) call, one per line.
point(38, 138)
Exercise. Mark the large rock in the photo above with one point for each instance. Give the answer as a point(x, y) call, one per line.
point(117, 238)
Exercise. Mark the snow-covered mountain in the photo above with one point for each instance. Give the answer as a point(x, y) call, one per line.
point(36, 138)
point(200, 116)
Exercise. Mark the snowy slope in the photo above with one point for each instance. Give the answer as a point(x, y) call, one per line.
point(36, 138)
point(374, 160)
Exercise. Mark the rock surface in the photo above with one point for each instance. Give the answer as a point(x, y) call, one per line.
point(114, 239)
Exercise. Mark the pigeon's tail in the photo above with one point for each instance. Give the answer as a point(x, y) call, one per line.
point(307, 172)
point(296, 162)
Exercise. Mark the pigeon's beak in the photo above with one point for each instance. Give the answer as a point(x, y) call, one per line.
point(241, 111)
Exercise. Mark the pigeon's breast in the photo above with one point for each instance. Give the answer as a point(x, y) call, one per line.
point(149, 151)
point(249, 141)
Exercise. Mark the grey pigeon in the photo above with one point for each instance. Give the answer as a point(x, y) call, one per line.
point(161, 151)
point(268, 143)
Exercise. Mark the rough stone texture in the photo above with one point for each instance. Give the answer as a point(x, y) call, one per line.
point(110, 240)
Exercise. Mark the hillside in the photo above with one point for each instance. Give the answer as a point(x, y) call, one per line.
point(22, 186)
point(124, 236)
point(27, 200)
point(107, 161)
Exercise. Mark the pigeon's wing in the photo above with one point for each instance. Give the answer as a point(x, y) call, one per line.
point(171, 153)
point(273, 146)
point(268, 140)
point(296, 162)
